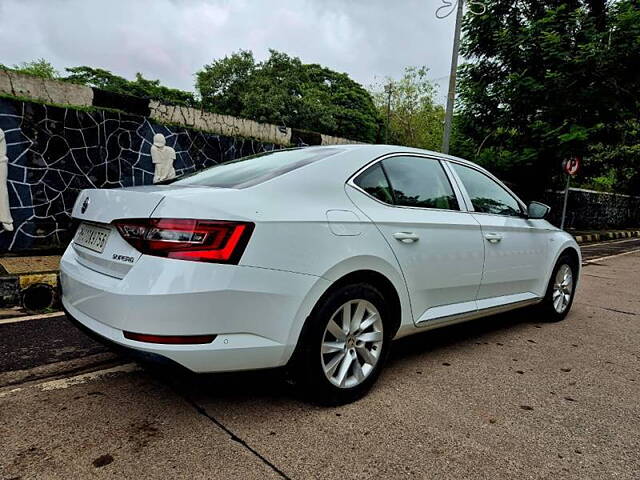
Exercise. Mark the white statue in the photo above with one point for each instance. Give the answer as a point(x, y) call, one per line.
point(162, 157)
point(5, 212)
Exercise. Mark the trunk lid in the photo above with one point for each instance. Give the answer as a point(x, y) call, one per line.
point(97, 243)
point(104, 206)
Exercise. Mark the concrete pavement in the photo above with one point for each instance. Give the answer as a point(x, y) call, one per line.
point(504, 397)
point(124, 424)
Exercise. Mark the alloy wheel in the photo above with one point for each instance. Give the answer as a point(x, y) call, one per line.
point(352, 343)
point(562, 288)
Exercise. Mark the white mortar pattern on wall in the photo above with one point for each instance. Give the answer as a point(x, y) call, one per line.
point(55, 152)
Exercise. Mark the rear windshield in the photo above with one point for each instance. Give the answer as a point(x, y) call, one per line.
point(248, 171)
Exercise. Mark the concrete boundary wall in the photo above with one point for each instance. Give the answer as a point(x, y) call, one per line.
point(219, 124)
point(64, 93)
point(590, 209)
point(50, 91)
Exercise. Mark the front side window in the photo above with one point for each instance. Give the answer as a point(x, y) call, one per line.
point(486, 195)
point(419, 182)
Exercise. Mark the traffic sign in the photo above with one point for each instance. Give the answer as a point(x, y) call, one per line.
point(571, 165)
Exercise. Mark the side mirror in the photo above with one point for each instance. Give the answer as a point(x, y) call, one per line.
point(537, 210)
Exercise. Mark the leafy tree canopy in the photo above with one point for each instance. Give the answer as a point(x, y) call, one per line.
point(414, 118)
point(285, 91)
point(140, 87)
point(548, 79)
point(38, 68)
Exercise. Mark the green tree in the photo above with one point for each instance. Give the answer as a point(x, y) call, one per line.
point(38, 68)
point(140, 87)
point(222, 84)
point(547, 79)
point(285, 91)
point(414, 118)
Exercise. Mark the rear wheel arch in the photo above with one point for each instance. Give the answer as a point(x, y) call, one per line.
point(378, 281)
point(305, 363)
point(370, 277)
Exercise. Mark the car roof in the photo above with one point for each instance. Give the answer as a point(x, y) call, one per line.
point(341, 164)
point(379, 150)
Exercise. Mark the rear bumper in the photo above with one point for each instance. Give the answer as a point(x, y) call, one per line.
point(132, 353)
point(256, 313)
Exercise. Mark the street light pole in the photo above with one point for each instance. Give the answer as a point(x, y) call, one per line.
point(564, 204)
point(386, 132)
point(451, 96)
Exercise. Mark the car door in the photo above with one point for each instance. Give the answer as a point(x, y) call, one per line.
point(516, 247)
point(437, 243)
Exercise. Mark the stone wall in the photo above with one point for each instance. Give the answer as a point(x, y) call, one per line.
point(591, 210)
point(54, 152)
point(27, 86)
point(221, 124)
point(64, 93)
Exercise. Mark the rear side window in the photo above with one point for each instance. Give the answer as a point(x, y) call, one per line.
point(374, 182)
point(419, 182)
point(248, 171)
point(486, 195)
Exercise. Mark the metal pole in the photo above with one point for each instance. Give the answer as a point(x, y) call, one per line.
point(564, 205)
point(386, 133)
point(451, 96)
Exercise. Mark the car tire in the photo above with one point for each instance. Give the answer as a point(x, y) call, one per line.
point(325, 366)
point(561, 290)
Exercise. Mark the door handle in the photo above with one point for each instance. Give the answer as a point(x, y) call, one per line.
point(493, 237)
point(406, 237)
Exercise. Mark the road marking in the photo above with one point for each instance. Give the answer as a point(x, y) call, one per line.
point(9, 392)
point(614, 242)
point(66, 382)
point(593, 260)
point(62, 383)
point(30, 317)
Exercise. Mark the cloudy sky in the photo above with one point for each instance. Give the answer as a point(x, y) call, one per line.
point(172, 39)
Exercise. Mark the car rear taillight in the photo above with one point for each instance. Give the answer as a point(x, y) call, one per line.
point(187, 239)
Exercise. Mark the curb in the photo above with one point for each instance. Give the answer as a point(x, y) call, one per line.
point(612, 235)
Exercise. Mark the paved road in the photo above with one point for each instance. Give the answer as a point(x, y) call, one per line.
point(505, 397)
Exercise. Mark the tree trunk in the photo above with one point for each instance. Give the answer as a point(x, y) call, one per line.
point(598, 10)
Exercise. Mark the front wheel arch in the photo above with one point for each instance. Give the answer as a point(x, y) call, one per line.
point(572, 253)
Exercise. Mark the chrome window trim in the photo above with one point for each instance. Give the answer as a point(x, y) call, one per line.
point(462, 205)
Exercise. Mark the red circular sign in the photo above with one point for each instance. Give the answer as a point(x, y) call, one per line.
point(571, 165)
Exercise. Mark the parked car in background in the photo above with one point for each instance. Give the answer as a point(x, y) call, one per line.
point(315, 258)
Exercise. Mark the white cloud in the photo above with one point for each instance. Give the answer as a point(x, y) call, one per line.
point(172, 39)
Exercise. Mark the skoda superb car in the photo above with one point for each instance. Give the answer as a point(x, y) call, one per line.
point(314, 258)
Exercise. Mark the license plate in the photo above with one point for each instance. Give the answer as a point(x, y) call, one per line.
point(92, 237)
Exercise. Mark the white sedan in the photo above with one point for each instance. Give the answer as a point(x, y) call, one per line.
point(315, 258)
